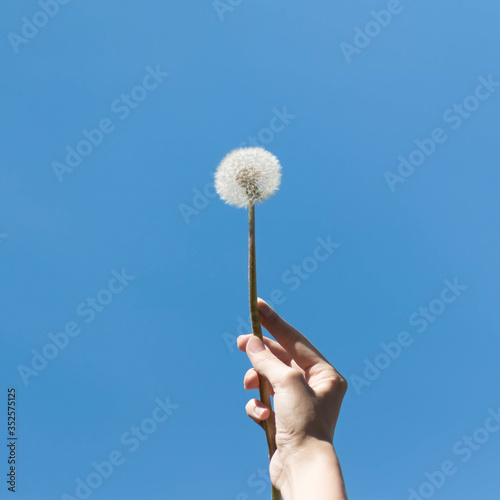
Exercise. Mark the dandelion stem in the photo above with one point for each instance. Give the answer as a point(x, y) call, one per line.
point(264, 386)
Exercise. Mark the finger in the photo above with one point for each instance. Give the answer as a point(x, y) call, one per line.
point(251, 381)
point(297, 345)
point(267, 364)
point(257, 411)
point(275, 348)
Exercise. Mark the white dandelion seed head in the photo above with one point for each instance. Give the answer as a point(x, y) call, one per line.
point(247, 175)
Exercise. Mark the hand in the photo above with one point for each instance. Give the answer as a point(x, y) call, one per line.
point(306, 388)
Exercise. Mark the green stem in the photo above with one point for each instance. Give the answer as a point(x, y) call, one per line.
point(264, 386)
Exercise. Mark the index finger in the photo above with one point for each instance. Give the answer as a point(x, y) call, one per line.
point(297, 345)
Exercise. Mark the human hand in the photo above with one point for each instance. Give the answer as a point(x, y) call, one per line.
point(306, 388)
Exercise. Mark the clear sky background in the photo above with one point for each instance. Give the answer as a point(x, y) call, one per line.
point(346, 107)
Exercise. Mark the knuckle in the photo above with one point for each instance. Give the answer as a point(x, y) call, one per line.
point(339, 383)
point(342, 383)
point(266, 358)
point(292, 375)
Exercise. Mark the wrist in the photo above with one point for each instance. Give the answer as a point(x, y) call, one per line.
point(313, 466)
point(311, 449)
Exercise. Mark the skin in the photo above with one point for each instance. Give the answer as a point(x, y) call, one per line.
point(307, 392)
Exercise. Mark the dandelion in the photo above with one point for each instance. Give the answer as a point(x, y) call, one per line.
point(245, 177)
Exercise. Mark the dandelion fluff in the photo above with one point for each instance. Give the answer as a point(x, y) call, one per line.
point(247, 175)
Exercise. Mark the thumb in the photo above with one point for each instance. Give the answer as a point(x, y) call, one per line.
point(265, 362)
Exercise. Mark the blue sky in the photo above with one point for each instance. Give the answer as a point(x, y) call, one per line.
point(115, 115)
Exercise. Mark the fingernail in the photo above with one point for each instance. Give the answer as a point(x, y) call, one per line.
point(259, 411)
point(255, 345)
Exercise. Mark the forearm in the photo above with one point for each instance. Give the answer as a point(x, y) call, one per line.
point(315, 474)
